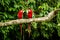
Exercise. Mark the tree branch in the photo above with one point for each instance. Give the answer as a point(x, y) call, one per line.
point(50, 16)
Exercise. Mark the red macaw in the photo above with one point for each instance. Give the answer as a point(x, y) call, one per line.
point(20, 16)
point(29, 16)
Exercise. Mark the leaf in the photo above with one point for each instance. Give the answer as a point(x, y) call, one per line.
point(16, 6)
point(34, 24)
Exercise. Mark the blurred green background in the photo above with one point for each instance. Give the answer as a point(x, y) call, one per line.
point(41, 30)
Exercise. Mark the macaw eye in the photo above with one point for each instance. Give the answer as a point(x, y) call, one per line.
point(27, 11)
point(23, 11)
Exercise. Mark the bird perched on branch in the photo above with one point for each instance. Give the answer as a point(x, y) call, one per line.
point(20, 16)
point(29, 16)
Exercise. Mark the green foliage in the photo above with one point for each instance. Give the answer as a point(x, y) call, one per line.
point(41, 8)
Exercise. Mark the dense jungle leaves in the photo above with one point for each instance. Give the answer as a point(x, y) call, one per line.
point(44, 31)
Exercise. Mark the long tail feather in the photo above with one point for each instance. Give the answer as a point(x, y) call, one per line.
point(21, 28)
point(29, 28)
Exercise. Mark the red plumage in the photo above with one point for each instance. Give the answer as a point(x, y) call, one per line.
point(29, 16)
point(20, 14)
point(29, 13)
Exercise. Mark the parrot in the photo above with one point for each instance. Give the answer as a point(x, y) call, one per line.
point(29, 17)
point(20, 16)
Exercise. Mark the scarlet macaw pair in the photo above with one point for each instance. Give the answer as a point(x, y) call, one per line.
point(29, 15)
